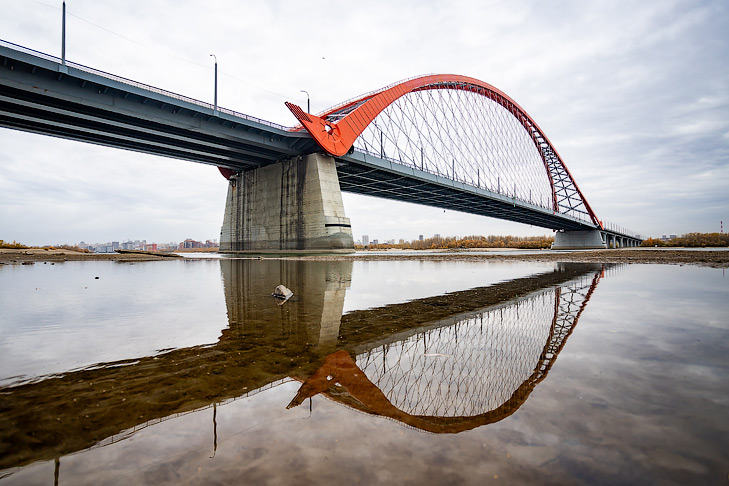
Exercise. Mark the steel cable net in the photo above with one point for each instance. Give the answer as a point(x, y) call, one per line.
point(475, 365)
point(464, 136)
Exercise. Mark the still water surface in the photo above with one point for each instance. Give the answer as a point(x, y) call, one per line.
point(407, 372)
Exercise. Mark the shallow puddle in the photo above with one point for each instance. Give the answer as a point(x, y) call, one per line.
point(190, 372)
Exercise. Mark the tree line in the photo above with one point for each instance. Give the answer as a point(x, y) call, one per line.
point(14, 245)
point(453, 242)
point(691, 240)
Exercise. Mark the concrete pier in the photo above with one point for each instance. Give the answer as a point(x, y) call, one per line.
point(292, 206)
point(578, 240)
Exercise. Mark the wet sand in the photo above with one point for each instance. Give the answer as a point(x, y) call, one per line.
point(702, 257)
point(708, 258)
point(27, 256)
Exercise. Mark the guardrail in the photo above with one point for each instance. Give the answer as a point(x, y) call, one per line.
point(584, 217)
point(136, 84)
point(620, 230)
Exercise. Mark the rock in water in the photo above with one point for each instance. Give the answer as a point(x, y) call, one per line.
point(283, 293)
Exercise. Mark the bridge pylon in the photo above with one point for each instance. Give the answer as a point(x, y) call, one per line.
point(292, 206)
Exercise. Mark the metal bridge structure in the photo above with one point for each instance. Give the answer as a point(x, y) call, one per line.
point(446, 141)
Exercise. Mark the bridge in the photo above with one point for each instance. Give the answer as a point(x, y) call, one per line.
point(447, 141)
point(441, 364)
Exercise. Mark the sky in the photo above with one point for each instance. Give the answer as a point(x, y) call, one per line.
point(633, 95)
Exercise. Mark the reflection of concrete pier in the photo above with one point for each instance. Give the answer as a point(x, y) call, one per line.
point(264, 343)
point(312, 315)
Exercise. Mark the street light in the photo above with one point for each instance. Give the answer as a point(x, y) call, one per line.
point(216, 81)
point(308, 101)
point(63, 36)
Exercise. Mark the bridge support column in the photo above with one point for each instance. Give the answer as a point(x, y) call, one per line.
point(578, 240)
point(292, 206)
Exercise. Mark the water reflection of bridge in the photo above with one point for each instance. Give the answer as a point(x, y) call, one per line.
point(462, 372)
point(441, 364)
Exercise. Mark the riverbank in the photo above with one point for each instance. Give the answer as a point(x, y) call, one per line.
point(25, 256)
point(701, 257)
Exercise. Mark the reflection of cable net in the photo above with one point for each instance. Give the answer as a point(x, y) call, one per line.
point(475, 365)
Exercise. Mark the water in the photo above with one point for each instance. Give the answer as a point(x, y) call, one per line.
point(447, 372)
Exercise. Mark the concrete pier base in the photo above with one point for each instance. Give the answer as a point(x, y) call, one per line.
point(578, 240)
point(293, 206)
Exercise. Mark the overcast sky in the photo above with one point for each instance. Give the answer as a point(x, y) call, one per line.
point(634, 96)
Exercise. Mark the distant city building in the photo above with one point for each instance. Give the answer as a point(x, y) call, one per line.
point(111, 247)
point(402, 241)
point(420, 238)
point(365, 240)
point(190, 243)
point(375, 242)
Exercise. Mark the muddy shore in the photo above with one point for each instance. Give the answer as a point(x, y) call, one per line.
point(702, 257)
point(31, 255)
point(709, 258)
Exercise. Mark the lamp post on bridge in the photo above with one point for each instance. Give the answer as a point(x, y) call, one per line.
point(308, 101)
point(63, 36)
point(216, 82)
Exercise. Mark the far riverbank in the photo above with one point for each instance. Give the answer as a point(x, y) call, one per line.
point(701, 257)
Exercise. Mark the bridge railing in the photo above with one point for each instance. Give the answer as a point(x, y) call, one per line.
point(136, 84)
point(464, 180)
point(615, 228)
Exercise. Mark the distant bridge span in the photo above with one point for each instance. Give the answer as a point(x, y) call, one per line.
point(450, 142)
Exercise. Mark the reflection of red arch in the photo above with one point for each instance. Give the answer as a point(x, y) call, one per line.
point(340, 379)
point(337, 137)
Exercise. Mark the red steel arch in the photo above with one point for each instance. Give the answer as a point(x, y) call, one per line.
point(337, 129)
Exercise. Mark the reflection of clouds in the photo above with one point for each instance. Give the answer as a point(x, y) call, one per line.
point(74, 320)
point(415, 279)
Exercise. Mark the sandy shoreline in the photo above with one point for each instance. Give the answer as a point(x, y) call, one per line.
point(702, 257)
point(32, 255)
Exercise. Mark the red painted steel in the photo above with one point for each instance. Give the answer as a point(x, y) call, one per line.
point(338, 137)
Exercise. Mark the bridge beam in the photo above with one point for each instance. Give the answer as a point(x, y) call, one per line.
point(579, 240)
point(292, 206)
